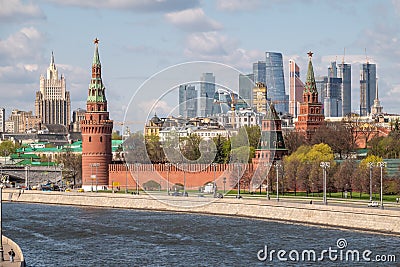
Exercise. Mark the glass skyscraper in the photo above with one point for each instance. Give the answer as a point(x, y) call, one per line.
point(259, 72)
point(333, 98)
point(344, 72)
point(187, 101)
point(207, 91)
point(275, 80)
point(367, 88)
point(246, 85)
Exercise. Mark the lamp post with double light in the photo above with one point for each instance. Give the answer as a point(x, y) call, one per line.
point(325, 165)
point(381, 165)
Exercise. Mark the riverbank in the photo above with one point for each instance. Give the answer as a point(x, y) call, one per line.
point(9, 244)
point(374, 220)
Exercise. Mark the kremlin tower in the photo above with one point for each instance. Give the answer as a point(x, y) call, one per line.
point(96, 132)
point(310, 117)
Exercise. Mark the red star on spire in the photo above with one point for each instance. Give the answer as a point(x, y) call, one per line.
point(96, 41)
point(310, 54)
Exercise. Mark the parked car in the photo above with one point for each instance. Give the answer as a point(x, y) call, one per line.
point(373, 204)
point(81, 190)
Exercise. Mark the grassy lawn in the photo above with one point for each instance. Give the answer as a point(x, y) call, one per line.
point(338, 195)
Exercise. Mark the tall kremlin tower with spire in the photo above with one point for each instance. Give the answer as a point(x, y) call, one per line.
point(310, 117)
point(96, 132)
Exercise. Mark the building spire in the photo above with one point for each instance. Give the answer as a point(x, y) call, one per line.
point(52, 59)
point(96, 92)
point(52, 72)
point(96, 58)
point(310, 86)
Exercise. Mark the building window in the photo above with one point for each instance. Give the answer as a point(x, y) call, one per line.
point(101, 138)
point(90, 139)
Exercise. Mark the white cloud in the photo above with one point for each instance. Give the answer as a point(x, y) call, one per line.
point(193, 20)
point(15, 10)
point(131, 5)
point(22, 45)
point(238, 5)
point(396, 5)
point(217, 47)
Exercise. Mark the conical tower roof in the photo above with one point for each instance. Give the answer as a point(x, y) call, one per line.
point(96, 86)
point(310, 86)
point(271, 113)
point(96, 58)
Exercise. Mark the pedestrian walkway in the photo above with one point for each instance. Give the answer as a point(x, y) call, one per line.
point(6, 262)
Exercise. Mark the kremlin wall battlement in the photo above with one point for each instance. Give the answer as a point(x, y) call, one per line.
point(194, 176)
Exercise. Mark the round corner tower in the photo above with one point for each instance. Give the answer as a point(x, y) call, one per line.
point(96, 131)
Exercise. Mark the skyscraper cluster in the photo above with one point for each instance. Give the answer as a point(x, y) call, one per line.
point(270, 73)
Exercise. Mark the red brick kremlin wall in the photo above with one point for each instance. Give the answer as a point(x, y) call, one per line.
point(197, 175)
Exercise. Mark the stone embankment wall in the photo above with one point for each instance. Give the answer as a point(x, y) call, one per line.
point(370, 219)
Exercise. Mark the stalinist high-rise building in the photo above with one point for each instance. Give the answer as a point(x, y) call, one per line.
point(52, 103)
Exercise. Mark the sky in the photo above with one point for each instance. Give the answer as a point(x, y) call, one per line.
point(141, 38)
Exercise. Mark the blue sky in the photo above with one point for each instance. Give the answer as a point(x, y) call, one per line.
point(139, 38)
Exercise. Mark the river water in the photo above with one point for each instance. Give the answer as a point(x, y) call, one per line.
point(51, 235)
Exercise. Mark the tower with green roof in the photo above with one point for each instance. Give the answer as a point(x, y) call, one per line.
point(310, 117)
point(96, 131)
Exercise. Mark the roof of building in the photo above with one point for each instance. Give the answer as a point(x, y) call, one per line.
point(310, 85)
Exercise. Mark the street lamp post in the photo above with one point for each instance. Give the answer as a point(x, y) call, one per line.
point(371, 165)
point(168, 169)
point(126, 178)
point(277, 166)
point(238, 191)
point(61, 170)
point(324, 166)
point(381, 165)
point(137, 165)
point(27, 167)
point(215, 184)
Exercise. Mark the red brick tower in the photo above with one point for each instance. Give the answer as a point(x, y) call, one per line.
point(310, 117)
point(96, 131)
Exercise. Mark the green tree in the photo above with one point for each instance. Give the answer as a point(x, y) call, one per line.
point(221, 151)
point(116, 136)
point(72, 167)
point(154, 149)
point(344, 175)
point(8, 147)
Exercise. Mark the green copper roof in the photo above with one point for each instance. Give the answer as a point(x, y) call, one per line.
point(96, 58)
point(310, 82)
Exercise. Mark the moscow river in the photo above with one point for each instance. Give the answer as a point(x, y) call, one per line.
point(51, 235)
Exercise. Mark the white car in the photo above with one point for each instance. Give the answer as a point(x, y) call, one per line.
point(373, 204)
